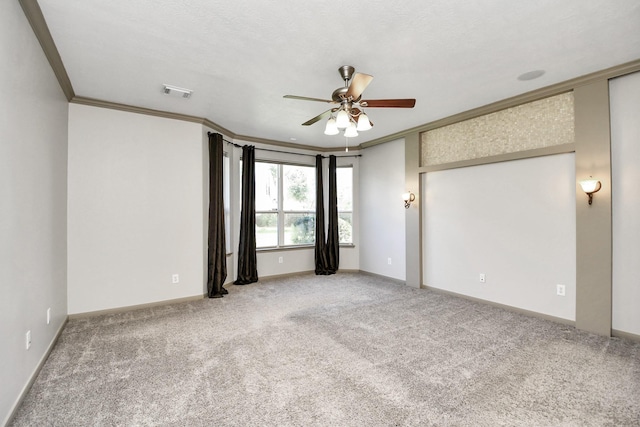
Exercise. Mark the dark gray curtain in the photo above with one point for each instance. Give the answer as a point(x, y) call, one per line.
point(322, 263)
point(217, 270)
point(247, 264)
point(333, 239)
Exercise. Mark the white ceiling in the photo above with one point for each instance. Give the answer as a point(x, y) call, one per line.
point(241, 57)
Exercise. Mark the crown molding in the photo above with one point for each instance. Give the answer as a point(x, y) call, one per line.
point(275, 143)
point(535, 95)
point(203, 121)
point(36, 19)
point(39, 26)
point(140, 110)
point(194, 119)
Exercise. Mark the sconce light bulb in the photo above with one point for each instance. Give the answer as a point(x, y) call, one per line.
point(590, 186)
point(408, 197)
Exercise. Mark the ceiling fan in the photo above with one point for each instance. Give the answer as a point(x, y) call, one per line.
point(349, 112)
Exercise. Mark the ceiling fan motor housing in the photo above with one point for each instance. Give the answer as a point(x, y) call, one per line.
point(346, 72)
point(338, 95)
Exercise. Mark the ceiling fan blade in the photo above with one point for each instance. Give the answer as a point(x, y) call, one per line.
point(358, 84)
point(318, 118)
point(306, 98)
point(388, 103)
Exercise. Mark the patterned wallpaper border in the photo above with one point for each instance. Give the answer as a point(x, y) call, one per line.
point(538, 124)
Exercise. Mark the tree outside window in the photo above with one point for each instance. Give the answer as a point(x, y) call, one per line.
point(344, 184)
point(285, 205)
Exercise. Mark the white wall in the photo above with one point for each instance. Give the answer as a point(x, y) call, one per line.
point(513, 221)
point(625, 158)
point(33, 197)
point(135, 209)
point(382, 212)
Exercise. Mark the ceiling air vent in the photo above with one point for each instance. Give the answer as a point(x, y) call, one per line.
point(176, 91)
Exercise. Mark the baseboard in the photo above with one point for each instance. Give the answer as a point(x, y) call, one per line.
point(302, 273)
point(504, 306)
point(284, 275)
point(391, 279)
point(625, 335)
point(135, 307)
point(34, 375)
point(187, 299)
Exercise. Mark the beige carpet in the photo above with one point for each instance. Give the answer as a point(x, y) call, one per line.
point(343, 350)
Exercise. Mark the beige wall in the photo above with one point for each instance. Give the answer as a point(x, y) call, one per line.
point(593, 222)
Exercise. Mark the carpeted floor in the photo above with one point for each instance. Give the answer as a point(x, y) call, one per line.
point(343, 350)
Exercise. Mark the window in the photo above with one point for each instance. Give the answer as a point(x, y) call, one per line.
point(227, 204)
point(286, 208)
point(344, 184)
point(285, 205)
point(299, 204)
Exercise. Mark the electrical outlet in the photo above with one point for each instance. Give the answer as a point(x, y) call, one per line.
point(560, 290)
point(280, 260)
point(389, 261)
point(48, 315)
point(175, 278)
point(28, 340)
point(483, 278)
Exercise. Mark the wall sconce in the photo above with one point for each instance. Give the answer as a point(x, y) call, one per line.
point(408, 197)
point(590, 186)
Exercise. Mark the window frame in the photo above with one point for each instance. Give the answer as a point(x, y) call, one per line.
point(226, 191)
point(349, 166)
point(280, 212)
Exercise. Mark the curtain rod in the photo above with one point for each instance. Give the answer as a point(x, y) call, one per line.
point(283, 152)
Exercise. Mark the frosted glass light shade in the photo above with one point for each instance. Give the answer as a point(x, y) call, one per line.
point(590, 185)
point(342, 119)
point(408, 197)
point(331, 128)
point(351, 130)
point(363, 123)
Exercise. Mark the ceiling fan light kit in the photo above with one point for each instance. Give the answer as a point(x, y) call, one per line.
point(363, 122)
point(351, 131)
point(349, 115)
point(332, 127)
point(342, 119)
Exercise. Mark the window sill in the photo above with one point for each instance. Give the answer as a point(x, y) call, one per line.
point(295, 248)
point(284, 248)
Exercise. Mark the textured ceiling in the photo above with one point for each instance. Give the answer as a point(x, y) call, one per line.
point(241, 57)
